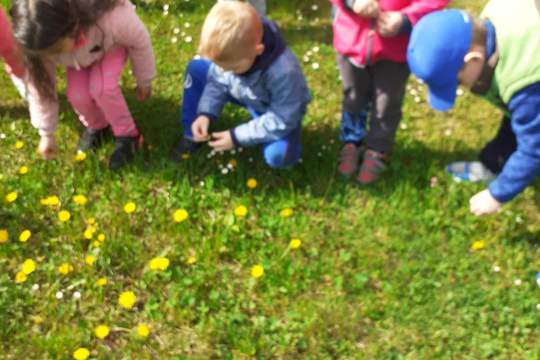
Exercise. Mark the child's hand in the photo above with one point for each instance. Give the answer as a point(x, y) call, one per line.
point(366, 8)
point(199, 128)
point(143, 92)
point(223, 141)
point(389, 23)
point(48, 147)
point(484, 203)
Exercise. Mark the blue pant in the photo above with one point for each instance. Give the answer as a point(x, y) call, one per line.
point(353, 126)
point(277, 154)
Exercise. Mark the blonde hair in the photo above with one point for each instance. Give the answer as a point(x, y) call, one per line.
point(230, 27)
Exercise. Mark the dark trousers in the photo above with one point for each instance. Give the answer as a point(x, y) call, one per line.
point(381, 85)
point(495, 154)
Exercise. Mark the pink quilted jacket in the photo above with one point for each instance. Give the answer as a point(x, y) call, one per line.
point(357, 38)
point(120, 27)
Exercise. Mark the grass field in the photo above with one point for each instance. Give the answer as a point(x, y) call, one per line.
point(398, 270)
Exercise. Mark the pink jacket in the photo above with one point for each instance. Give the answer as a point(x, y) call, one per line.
point(120, 27)
point(8, 48)
point(357, 38)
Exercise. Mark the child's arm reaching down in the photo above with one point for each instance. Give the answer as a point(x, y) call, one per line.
point(289, 96)
point(523, 165)
point(130, 32)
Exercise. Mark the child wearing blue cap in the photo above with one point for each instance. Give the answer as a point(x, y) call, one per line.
point(496, 57)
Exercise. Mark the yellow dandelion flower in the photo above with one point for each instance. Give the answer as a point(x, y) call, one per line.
point(90, 260)
point(101, 237)
point(101, 331)
point(65, 268)
point(52, 200)
point(64, 215)
point(127, 299)
point(81, 354)
point(287, 212)
point(295, 244)
point(251, 183)
point(91, 221)
point(478, 245)
point(23, 170)
point(159, 264)
point(19, 145)
point(25, 235)
point(240, 211)
point(11, 197)
point(191, 260)
point(101, 281)
point(130, 207)
point(80, 200)
point(28, 266)
point(80, 156)
point(180, 215)
point(96, 243)
point(257, 271)
point(89, 232)
point(143, 330)
point(4, 236)
point(20, 277)
point(37, 319)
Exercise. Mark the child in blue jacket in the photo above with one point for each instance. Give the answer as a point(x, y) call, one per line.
point(249, 64)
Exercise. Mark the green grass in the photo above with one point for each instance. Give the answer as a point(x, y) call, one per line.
point(383, 272)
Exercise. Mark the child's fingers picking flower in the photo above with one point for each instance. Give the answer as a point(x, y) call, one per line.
point(200, 128)
point(222, 141)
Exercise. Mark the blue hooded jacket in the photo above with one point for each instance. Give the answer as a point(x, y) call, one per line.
point(274, 87)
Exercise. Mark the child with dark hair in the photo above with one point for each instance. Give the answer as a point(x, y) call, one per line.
point(93, 40)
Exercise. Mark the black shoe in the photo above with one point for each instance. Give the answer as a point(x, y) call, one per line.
point(124, 151)
point(183, 148)
point(92, 139)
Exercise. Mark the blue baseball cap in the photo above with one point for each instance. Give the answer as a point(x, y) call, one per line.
point(438, 45)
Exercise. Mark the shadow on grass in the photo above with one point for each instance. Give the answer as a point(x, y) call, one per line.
point(412, 162)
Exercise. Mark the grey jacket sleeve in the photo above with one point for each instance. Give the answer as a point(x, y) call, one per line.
point(289, 99)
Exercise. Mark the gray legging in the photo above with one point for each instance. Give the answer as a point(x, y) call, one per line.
point(260, 5)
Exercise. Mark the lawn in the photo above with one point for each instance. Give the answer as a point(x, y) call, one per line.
point(397, 270)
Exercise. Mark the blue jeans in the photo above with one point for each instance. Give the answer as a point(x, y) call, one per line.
point(277, 154)
point(353, 126)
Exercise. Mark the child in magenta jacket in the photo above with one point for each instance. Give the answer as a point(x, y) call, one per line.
point(371, 39)
point(93, 39)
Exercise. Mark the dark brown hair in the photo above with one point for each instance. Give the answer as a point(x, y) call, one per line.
point(39, 24)
point(479, 32)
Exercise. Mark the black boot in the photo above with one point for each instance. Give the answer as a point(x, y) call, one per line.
point(124, 150)
point(184, 147)
point(92, 139)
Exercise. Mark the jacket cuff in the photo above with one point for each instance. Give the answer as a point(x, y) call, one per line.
point(212, 117)
point(144, 83)
point(234, 138)
point(46, 132)
point(497, 193)
point(406, 26)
